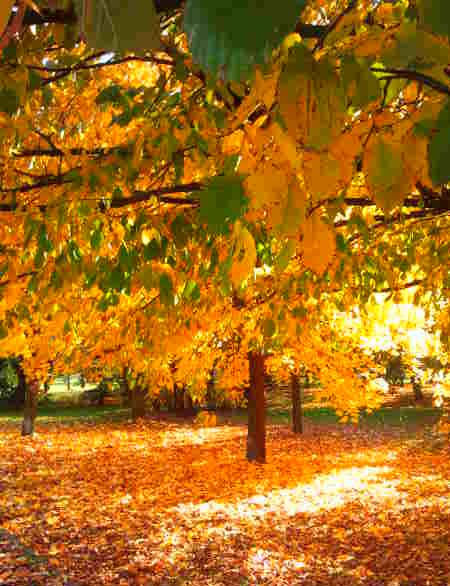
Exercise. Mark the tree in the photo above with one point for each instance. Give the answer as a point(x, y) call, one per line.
point(137, 185)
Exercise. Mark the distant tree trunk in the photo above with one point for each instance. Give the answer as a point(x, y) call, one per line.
point(210, 395)
point(125, 390)
point(297, 407)
point(189, 408)
point(137, 402)
point(256, 436)
point(18, 399)
point(179, 392)
point(417, 389)
point(30, 409)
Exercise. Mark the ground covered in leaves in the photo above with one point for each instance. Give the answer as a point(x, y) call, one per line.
point(172, 504)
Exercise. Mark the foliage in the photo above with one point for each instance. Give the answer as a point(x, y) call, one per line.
point(167, 221)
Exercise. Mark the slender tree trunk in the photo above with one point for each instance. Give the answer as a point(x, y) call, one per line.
point(417, 389)
point(18, 400)
point(188, 404)
point(137, 403)
point(125, 391)
point(297, 407)
point(256, 437)
point(30, 409)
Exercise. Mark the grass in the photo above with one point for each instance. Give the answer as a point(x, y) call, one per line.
point(386, 416)
point(69, 414)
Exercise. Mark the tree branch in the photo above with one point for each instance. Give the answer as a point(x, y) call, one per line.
point(413, 76)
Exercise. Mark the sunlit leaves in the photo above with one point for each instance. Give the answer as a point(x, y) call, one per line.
point(318, 244)
point(244, 258)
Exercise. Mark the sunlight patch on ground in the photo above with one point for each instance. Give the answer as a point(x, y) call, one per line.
point(327, 491)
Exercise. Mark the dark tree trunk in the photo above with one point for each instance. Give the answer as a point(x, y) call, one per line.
point(417, 388)
point(18, 399)
point(179, 398)
point(138, 397)
point(256, 437)
point(297, 408)
point(188, 404)
point(30, 409)
point(125, 390)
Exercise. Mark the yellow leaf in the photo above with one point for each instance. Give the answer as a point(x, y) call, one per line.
point(244, 259)
point(268, 184)
point(318, 244)
point(287, 146)
point(5, 13)
point(322, 174)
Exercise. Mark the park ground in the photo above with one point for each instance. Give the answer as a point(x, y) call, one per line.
point(93, 499)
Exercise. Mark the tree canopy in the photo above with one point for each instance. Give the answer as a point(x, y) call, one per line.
point(174, 188)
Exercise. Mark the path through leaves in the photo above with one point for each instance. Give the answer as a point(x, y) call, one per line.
point(171, 504)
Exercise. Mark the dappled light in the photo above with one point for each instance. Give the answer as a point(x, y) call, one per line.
point(166, 503)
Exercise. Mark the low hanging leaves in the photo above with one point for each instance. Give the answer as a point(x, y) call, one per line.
point(222, 202)
point(5, 13)
point(113, 25)
point(311, 99)
point(318, 244)
point(439, 149)
point(436, 15)
point(244, 258)
point(227, 38)
point(385, 173)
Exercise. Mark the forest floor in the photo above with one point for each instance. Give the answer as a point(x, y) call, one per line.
point(87, 503)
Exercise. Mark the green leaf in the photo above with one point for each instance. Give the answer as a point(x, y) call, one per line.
point(191, 291)
point(385, 173)
point(96, 238)
point(436, 15)
point(222, 202)
point(110, 95)
point(287, 252)
point(116, 279)
point(147, 277)
point(3, 330)
point(114, 25)
point(439, 148)
point(269, 328)
point(9, 101)
point(166, 289)
point(228, 37)
point(360, 84)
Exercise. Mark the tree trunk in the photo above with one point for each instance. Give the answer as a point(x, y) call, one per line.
point(297, 408)
point(256, 436)
point(137, 403)
point(18, 399)
point(417, 389)
point(30, 409)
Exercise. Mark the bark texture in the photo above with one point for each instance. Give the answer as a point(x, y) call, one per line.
point(256, 436)
point(297, 407)
point(30, 408)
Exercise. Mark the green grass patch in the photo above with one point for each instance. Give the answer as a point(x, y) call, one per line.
point(49, 413)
